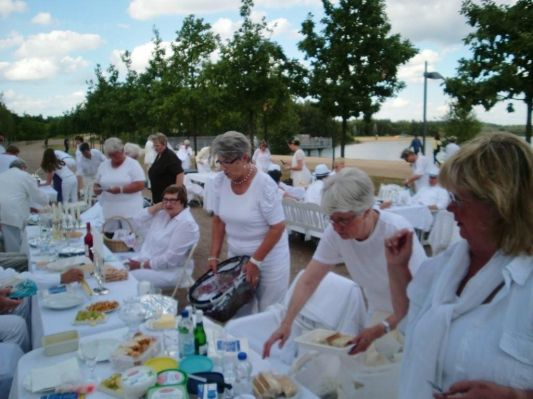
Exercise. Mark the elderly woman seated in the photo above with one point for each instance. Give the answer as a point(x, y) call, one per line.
point(171, 233)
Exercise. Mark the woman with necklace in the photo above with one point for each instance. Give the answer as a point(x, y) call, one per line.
point(249, 214)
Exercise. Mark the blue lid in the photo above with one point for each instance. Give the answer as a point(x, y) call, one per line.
point(242, 356)
point(185, 313)
point(196, 364)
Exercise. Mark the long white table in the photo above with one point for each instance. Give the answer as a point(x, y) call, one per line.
point(50, 321)
point(37, 358)
point(418, 215)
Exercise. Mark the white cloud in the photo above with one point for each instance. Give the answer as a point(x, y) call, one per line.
point(9, 6)
point(281, 27)
point(73, 64)
point(31, 69)
point(288, 3)
point(225, 27)
point(54, 105)
point(146, 9)
point(140, 56)
point(399, 102)
point(413, 71)
point(43, 18)
point(14, 39)
point(57, 43)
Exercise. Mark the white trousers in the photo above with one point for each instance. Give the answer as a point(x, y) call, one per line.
point(10, 354)
point(69, 189)
point(12, 238)
point(13, 329)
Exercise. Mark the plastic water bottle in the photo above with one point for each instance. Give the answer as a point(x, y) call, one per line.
point(229, 374)
point(244, 374)
point(186, 336)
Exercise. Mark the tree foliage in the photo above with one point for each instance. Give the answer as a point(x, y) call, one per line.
point(461, 123)
point(354, 59)
point(501, 67)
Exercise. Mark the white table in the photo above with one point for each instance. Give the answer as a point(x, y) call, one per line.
point(418, 215)
point(49, 321)
point(50, 193)
point(36, 358)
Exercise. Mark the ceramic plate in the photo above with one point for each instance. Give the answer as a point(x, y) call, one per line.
point(64, 300)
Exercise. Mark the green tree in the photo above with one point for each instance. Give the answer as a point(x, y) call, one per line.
point(354, 59)
point(461, 123)
point(502, 57)
point(7, 121)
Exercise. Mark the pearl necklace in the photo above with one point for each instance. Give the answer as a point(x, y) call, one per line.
point(251, 170)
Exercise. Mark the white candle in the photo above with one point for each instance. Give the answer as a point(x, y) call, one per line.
point(77, 213)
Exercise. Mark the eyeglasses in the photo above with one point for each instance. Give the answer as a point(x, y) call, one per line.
point(225, 162)
point(169, 200)
point(343, 221)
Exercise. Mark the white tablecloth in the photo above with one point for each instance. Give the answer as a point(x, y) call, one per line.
point(419, 215)
point(36, 358)
point(49, 321)
point(51, 194)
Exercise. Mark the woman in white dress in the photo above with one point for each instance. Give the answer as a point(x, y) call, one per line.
point(262, 157)
point(120, 180)
point(300, 175)
point(60, 175)
point(248, 213)
point(171, 231)
point(469, 309)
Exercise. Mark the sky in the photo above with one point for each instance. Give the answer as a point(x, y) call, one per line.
point(49, 48)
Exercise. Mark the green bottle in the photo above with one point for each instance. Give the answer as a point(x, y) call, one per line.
point(200, 339)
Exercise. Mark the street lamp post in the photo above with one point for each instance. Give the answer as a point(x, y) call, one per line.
point(427, 75)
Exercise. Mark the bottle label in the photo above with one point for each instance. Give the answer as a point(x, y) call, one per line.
point(202, 350)
point(87, 251)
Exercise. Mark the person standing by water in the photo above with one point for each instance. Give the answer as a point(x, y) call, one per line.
point(300, 175)
point(437, 144)
point(416, 145)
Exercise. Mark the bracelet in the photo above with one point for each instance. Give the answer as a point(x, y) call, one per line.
point(256, 262)
point(387, 326)
point(212, 258)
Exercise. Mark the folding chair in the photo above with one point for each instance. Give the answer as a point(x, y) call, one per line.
point(185, 279)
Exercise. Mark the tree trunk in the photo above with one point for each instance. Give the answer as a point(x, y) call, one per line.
point(343, 135)
point(529, 101)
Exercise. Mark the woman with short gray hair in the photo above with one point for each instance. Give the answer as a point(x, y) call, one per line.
point(120, 180)
point(249, 214)
point(355, 236)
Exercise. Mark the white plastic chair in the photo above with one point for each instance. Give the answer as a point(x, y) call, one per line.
point(185, 279)
point(337, 304)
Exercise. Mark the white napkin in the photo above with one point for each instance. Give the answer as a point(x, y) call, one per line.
point(44, 378)
point(63, 264)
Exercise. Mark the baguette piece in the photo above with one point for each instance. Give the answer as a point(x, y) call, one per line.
point(266, 386)
point(338, 340)
point(288, 387)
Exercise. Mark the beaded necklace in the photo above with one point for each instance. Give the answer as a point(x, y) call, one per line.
point(251, 170)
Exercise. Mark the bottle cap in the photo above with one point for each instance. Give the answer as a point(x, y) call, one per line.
point(242, 356)
point(184, 313)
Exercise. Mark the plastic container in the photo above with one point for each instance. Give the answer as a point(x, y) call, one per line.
point(137, 380)
point(56, 344)
point(127, 354)
point(168, 392)
point(171, 377)
point(243, 382)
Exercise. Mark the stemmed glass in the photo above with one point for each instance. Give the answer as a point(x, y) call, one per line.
point(89, 351)
point(132, 313)
point(100, 289)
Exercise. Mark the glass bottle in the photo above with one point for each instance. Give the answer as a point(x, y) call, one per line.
point(200, 338)
point(88, 242)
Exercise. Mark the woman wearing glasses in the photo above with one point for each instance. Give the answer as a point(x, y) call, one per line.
point(355, 237)
point(169, 233)
point(249, 214)
point(469, 311)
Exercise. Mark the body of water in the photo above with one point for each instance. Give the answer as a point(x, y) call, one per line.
point(376, 150)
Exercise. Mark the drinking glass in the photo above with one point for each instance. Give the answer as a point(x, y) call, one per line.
point(132, 313)
point(89, 351)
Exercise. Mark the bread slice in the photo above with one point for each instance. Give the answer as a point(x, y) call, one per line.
point(266, 386)
point(288, 387)
point(338, 340)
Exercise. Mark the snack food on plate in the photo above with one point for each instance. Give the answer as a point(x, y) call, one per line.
point(89, 317)
point(112, 385)
point(337, 340)
point(269, 386)
point(135, 351)
point(103, 306)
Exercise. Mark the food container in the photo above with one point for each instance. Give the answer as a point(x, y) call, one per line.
point(161, 363)
point(171, 377)
point(168, 392)
point(136, 381)
point(135, 352)
point(56, 344)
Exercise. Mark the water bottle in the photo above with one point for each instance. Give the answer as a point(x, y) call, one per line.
point(229, 374)
point(186, 336)
point(244, 375)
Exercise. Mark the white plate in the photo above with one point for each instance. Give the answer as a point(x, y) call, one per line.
point(72, 251)
point(106, 346)
point(63, 300)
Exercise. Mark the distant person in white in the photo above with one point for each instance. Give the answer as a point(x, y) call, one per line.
point(89, 163)
point(170, 232)
point(60, 176)
point(19, 190)
point(451, 148)
point(7, 157)
point(67, 158)
point(284, 190)
point(421, 165)
point(149, 152)
point(204, 161)
point(78, 140)
point(185, 154)
point(2, 148)
point(313, 193)
point(262, 157)
point(338, 165)
point(300, 175)
point(133, 150)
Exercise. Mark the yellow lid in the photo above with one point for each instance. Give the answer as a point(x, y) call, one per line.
point(161, 363)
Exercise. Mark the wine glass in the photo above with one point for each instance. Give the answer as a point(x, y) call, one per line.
point(132, 313)
point(89, 351)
